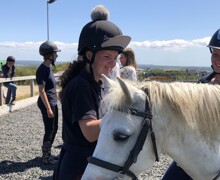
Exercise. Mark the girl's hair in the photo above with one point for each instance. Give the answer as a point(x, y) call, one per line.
point(70, 72)
point(129, 54)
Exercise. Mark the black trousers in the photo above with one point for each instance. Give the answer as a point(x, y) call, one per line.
point(72, 162)
point(175, 172)
point(50, 124)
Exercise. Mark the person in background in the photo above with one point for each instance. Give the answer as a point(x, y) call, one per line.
point(214, 47)
point(128, 62)
point(100, 42)
point(115, 72)
point(174, 171)
point(47, 101)
point(8, 71)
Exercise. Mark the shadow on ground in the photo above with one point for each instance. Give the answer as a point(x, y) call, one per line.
point(14, 167)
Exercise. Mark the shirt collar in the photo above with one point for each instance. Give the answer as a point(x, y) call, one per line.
point(86, 75)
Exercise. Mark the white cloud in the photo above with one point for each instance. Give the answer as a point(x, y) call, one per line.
point(172, 52)
point(172, 44)
point(35, 44)
point(176, 43)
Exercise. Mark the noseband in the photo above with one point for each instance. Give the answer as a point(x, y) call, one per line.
point(146, 126)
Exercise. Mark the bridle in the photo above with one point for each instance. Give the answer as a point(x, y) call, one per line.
point(132, 158)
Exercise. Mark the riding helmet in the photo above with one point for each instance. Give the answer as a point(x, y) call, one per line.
point(100, 34)
point(48, 47)
point(10, 58)
point(215, 40)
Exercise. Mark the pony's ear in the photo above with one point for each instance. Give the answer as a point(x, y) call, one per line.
point(126, 90)
point(107, 81)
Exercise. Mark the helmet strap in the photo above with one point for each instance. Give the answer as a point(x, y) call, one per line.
point(51, 60)
point(90, 62)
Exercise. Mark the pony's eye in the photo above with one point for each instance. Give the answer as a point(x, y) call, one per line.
point(119, 136)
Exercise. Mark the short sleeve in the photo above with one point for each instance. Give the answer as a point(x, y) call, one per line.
point(4, 70)
point(41, 76)
point(84, 104)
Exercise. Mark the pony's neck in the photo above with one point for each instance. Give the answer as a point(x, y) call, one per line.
point(186, 147)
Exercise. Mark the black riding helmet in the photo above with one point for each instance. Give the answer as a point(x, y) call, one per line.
point(100, 34)
point(10, 58)
point(48, 47)
point(215, 40)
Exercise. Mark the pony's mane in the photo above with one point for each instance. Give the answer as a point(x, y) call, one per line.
point(196, 105)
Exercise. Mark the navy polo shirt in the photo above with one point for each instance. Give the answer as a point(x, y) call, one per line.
point(44, 76)
point(5, 70)
point(81, 100)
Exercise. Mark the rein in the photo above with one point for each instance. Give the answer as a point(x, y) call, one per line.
point(216, 177)
point(146, 126)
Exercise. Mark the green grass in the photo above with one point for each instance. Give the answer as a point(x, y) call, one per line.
point(31, 70)
point(176, 75)
point(2, 62)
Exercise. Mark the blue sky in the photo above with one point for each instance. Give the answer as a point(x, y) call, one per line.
point(163, 32)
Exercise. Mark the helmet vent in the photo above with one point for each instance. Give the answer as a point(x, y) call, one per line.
point(106, 37)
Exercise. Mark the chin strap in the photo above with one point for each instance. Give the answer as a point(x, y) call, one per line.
point(52, 62)
point(90, 62)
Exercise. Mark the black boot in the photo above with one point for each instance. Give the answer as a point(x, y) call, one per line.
point(47, 158)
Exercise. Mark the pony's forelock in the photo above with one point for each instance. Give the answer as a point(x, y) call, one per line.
point(115, 98)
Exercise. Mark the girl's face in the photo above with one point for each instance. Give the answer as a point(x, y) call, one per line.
point(10, 63)
point(54, 56)
point(215, 58)
point(123, 59)
point(104, 61)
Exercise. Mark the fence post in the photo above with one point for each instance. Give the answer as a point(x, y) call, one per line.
point(1, 95)
point(32, 87)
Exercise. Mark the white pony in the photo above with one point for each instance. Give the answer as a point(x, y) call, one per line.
point(185, 120)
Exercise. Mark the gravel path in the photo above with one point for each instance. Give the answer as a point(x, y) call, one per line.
point(20, 148)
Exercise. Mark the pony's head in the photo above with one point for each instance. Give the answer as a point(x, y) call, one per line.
point(119, 132)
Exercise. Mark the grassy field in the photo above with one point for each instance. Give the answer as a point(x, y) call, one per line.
point(23, 91)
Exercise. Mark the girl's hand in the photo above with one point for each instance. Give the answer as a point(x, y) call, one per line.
point(50, 113)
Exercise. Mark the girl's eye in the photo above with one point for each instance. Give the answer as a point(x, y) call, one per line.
point(216, 55)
